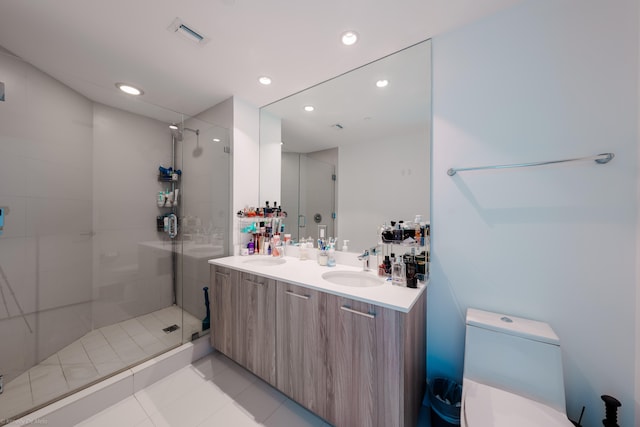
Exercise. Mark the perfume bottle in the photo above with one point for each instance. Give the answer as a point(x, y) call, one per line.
point(398, 272)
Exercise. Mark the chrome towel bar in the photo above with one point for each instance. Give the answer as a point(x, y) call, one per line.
point(600, 159)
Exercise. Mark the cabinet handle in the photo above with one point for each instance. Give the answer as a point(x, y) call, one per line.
point(254, 282)
point(222, 274)
point(350, 310)
point(293, 294)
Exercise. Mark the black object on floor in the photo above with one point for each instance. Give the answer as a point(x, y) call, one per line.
point(611, 405)
point(171, 328)
point(206, 322)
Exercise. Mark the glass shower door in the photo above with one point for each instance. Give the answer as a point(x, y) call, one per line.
point(204, 156)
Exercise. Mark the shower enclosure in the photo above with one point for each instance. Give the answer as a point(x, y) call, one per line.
point(90, 283)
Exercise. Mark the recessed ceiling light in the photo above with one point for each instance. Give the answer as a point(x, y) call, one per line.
point(173, 126)
point(265, 80)
point(349, 38)
point(382, 83)
point(309, 108)
point(131, 90)
point(216, 139)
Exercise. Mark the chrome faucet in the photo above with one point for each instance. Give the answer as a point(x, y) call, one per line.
point(364, 257)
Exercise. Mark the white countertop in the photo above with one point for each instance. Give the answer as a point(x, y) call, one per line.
point(308, 273)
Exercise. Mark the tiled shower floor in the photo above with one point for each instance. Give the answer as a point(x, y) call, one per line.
point(97, 354)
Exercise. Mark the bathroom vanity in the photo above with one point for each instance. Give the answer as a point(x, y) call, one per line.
point(354, 355)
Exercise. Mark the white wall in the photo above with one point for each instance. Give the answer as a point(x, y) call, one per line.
point(544, 80)
point(246, 161)
point(45, 181)
point(270, 158)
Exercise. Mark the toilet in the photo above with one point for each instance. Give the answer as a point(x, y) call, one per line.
point(512, 373)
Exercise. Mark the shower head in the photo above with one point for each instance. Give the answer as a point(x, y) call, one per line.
point(178, 130)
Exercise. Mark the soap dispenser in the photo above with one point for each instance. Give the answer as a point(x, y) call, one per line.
point(345, 248)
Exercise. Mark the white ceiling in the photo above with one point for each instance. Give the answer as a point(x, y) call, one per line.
point(90, 45)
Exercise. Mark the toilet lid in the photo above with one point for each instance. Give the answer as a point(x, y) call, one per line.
point(483, 406)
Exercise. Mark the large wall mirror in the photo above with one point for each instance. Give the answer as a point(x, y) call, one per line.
point(353, 152)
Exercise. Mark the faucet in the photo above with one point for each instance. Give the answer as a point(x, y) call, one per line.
point(364, 257)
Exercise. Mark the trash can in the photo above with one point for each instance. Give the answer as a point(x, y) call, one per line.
point(445, 396)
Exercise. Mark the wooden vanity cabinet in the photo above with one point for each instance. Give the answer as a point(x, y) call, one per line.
point(350, 362)
point(301, 346)
point(255, 343)
point(243, 325)
point(223, 303)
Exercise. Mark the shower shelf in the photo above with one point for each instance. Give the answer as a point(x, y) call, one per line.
point(165, 178)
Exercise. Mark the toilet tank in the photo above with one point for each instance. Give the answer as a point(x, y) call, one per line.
point(517, 355)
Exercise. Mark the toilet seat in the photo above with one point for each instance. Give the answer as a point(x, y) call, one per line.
point(484, 406)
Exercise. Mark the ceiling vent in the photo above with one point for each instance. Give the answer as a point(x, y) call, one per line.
point(187, 32)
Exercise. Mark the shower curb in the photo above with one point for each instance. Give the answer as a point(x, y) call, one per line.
point(85, 403)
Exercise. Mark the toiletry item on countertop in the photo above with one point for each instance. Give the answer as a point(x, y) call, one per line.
point(398, 272)
point(345, 247)
point(410, 270)
point(331, 253)
point(387, 266)
point(381, 270)
point(304, 255)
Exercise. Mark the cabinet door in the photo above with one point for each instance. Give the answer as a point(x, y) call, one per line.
point(364, 373)
point(301, 346)
point(255, 343)
point(223, 300)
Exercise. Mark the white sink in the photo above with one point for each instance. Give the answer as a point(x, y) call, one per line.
point(265, 260)
point(357, 279)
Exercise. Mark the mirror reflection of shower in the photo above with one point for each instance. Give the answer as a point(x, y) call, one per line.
point(178, 132)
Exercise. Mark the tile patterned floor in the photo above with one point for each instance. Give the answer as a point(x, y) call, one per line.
point(95, 355)
point(212, 391)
